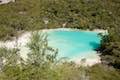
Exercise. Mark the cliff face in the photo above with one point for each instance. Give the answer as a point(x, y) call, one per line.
point(6, 1)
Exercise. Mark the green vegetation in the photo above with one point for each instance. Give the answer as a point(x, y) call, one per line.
point(110, 48)
point(29, 15)
point(40, 66)
point(37, 66)
point(102, 72)
point(82, 14)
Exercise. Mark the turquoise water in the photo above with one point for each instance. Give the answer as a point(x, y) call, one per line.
point(72, 44)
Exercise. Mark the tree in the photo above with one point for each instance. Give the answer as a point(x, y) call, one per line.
point(110, 48)
point(40, 52)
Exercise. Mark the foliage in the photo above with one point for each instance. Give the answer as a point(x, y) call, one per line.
point(82, 14)
point(103, 72)
point(110, 48)
point(25, 15)
point(38, 66)
point(10, 57)
point(40, 53)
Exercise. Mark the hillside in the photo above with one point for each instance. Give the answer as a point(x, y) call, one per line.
point(32, 15)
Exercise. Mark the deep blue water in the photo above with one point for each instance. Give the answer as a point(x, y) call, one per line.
point(73, 43)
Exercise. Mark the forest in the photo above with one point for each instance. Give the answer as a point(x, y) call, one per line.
point(29, 15)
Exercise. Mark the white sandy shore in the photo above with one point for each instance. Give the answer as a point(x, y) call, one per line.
point(89, 60)
point(24, 38)
point(102, 31)
point(71, 29)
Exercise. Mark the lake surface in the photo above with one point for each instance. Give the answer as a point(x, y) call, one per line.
point(74, 44)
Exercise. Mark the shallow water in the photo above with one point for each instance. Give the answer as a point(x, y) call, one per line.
point(72, 44)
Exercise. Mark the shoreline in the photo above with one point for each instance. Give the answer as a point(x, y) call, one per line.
point(88, 61)
point(71, 29)
point(24, 38)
